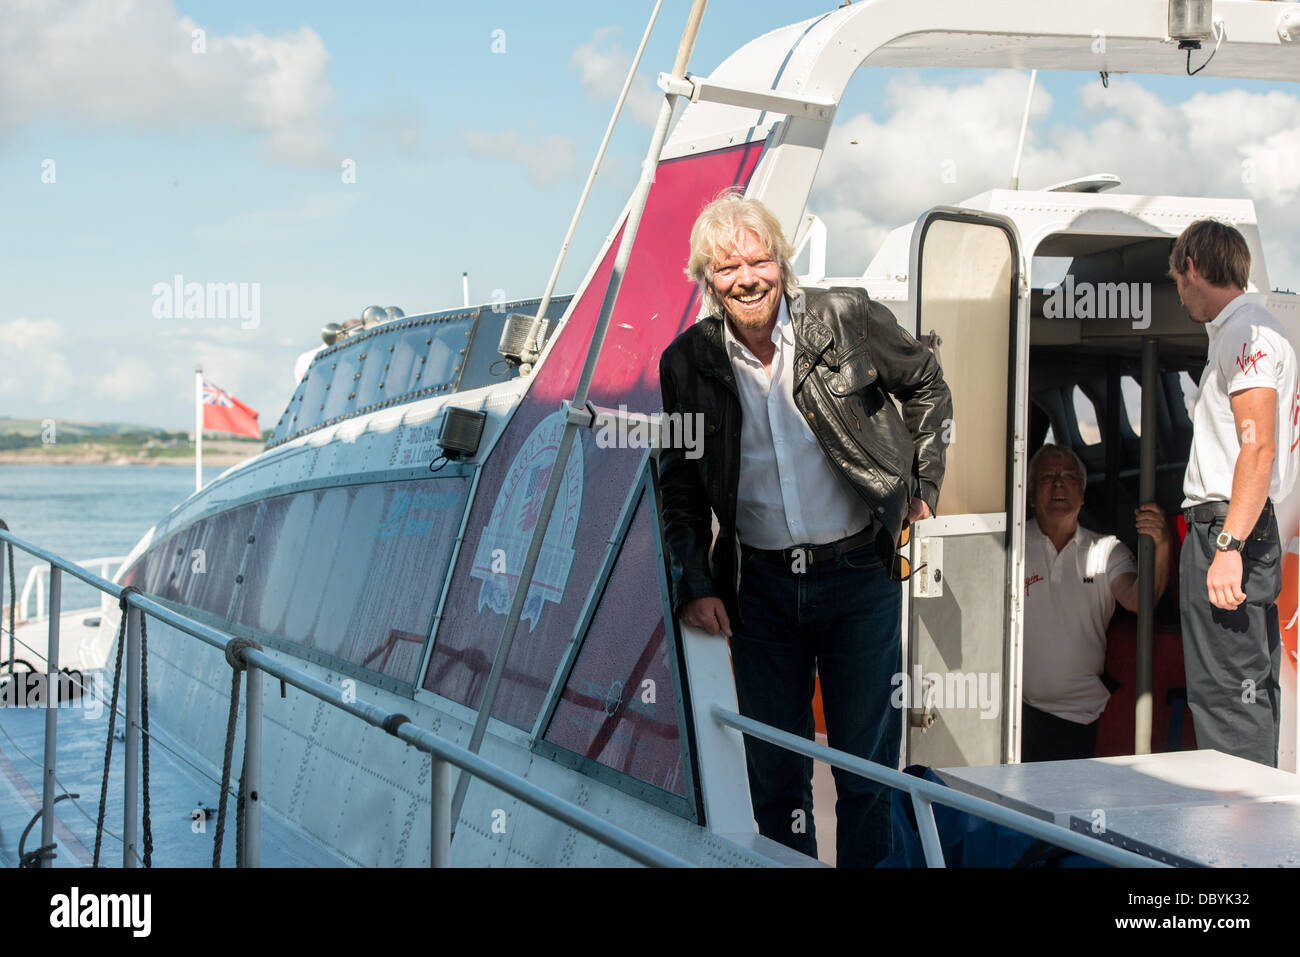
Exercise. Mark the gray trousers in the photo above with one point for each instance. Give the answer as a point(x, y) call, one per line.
point(1233, 659)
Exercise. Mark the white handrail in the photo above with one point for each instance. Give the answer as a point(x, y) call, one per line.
point(441, 751)
point(35, 583)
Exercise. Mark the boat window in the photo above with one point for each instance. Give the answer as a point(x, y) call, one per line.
point(1191, 389)
point(967, 286)
point(345, 367)
point(211, 563)
point(620, 709)
point(1048, 271)
point(1131, 396)
point(484, 365)
point(1085, 414)
point(403, 361)
point(349, 572)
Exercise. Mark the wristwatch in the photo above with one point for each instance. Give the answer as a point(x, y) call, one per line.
point(1225, 542)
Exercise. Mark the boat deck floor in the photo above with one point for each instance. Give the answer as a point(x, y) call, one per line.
point(176, 790)
point(77, 629)
point(1186, 808)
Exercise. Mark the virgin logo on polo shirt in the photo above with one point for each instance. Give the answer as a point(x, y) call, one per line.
point(1295, 418)
point(1246, 359)
point(1030, 581)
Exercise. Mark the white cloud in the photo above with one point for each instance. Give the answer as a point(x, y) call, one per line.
point(34, 363)
point(604, 65)
point(546, 158)
point(134, 62)
point(52, 372)
point(125, 378)
point(933, 144)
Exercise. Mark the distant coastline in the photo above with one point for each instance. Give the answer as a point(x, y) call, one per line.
point(65, 442)
point(83, 455)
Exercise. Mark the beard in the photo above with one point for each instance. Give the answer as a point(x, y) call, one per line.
point(753, 319)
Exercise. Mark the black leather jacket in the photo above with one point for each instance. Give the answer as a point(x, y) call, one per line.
point(850, 355)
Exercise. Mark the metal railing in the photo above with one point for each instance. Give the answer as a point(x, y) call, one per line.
point(34, 583)
point(926, 793)
point(442, 753)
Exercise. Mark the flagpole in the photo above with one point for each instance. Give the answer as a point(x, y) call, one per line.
point(198, 428)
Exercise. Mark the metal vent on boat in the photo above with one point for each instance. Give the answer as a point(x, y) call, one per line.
point(522, 339)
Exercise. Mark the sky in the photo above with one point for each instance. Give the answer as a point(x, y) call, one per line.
point(330, 156)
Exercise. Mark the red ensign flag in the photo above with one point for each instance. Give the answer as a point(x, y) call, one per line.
point(222, 412)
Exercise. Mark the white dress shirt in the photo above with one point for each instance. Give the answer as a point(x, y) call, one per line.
point(789, 492)
point(1248, 349)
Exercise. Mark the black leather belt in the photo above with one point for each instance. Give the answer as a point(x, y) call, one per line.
point(1209, 511)
point(812, 554)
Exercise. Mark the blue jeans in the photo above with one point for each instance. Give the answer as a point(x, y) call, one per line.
point(838, 619)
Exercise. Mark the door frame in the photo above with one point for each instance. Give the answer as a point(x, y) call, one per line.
point(1015, 499)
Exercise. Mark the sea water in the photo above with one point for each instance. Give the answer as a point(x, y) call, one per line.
point(87, 511)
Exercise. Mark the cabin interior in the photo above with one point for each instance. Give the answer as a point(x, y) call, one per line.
point(1085, 388)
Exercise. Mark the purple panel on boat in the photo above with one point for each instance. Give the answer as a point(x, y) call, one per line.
point(655, 304)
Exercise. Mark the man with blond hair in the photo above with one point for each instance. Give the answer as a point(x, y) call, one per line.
point(1242, 460)
point(813, 476)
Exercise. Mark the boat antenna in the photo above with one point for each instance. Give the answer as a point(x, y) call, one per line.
point(1024, 125)
point(595, 167)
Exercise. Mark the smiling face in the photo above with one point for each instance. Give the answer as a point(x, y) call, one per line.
point(747, 281)
point(1057, 490)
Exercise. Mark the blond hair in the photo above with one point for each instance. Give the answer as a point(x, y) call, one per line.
point(715, 232)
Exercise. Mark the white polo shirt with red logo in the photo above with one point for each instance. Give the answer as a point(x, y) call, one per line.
point(1068, 604)
point(1248, 349)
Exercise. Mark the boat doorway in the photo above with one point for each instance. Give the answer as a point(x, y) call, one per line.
point(1105, 319)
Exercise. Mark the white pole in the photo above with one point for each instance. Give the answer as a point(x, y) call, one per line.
point(464, 288)
point(595, 167)
point(198, 428)
point(1024, 125)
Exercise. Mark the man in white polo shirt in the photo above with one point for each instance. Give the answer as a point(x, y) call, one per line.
point(1073, 578)
point(1242, 459)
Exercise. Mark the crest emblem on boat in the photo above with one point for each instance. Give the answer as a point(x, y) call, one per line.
point(504, 544)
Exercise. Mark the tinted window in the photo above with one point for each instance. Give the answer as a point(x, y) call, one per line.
point(351, 571)
point(619, 705)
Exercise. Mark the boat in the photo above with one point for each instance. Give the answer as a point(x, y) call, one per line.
point(426, 466)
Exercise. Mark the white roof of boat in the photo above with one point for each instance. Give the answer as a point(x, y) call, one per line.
point(1039, 213)
point(816, 58)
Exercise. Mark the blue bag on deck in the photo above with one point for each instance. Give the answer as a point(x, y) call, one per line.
point(967, 840)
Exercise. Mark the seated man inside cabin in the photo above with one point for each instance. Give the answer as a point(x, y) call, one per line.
point(1073, 578)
